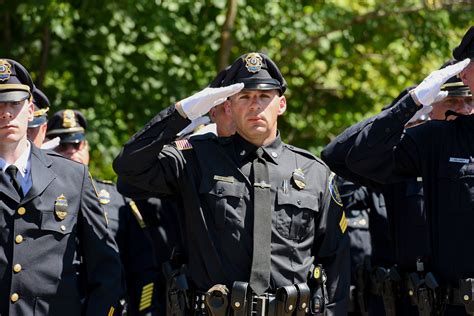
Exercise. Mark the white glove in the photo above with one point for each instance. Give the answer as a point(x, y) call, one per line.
point(428, 91)
point(51, 144)
point(200, 103)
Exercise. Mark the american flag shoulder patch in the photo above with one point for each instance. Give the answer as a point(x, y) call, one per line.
point(183, 144)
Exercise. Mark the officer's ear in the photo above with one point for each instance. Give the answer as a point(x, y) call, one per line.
point(31, 109)
point(281, 105)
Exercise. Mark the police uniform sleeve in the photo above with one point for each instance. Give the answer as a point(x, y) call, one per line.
point(331, 248)
point(146, 163)
point(141, 269)
point(100, 255)
point(378, 148)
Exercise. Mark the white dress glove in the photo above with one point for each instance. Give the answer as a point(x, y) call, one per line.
point(200, 103)
point(421, 113)
point(428, 91)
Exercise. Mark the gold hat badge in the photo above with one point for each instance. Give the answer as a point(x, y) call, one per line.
point(60, 207)
point(5, 71)
point(253, 62)
point(69, 119)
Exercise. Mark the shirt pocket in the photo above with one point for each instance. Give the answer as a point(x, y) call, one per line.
point(295, 212)
point(224, 199)
point(456, 187)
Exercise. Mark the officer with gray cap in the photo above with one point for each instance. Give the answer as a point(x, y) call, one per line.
point(440, 152)
point(50, 216)
point(264, 229)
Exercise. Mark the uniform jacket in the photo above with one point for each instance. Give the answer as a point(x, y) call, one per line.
point(135, 248)
point(212, 180)
point(43, 238)
point(441, 152)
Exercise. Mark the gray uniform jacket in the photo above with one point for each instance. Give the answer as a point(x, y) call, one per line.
point(211, 176)
point(42, 237)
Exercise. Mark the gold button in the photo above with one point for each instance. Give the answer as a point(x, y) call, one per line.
point(14, 297)
point(303, 305)
point(21, 211)
point(17, 267)
point(237, 304)
point(19, 239)
point(466, 297)
point(63, 228)
point(290, 307)
point(410, 292)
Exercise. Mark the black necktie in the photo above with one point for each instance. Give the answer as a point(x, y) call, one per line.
point(262, 226)
point(12, 171)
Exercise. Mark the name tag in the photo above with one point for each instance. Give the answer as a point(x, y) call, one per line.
point(225, 179)
point(458, 160)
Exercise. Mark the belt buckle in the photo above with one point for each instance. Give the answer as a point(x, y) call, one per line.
point(259, 305)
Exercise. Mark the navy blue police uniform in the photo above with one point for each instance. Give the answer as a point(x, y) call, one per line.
point(441, 153)
point(125, 223)
point(211, 176)
point(44, 231)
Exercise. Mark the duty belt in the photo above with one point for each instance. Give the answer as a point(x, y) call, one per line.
point(290, 300)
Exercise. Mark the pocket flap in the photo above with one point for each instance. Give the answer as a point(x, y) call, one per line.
point(299, 199)
point(50, 222)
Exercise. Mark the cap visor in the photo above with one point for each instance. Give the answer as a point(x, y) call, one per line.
point(72, 138)
point(37, 121)
point(13, 96)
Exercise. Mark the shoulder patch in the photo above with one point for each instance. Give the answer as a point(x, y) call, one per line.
point(183, 144)
point(332, 187)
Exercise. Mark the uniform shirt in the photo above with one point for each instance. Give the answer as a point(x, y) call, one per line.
point(439, 151)
point(212, 180)
point(24, 168)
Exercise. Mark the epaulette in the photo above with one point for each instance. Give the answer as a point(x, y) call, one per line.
point(105, 181)
point(183, 144)
point(303, 152)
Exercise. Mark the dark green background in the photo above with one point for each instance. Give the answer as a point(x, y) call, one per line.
point(123, 61)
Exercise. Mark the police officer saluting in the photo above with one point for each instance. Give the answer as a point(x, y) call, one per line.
point(49, 216)
point(441, 152)
point(260, 217)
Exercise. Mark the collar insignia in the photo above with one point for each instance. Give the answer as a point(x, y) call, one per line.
point(298, 178)
point(60, 207)
point(253, 62)
point(69, 119)
point(104, 197)
point(5, 71)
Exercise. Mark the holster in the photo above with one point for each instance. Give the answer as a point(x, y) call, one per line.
point(319, 298)
point(176, 287)
point(422, 292)
point(217, 301)
point(466, 291)
point(386, 284)
point(287, 297)
point(240, 298)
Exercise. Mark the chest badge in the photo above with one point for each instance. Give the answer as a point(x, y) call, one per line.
point(60, 207)
point(298, 178)
point(104, 197)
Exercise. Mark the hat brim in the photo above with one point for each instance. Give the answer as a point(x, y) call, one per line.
point(13, 96)
point(72, 138)
point(38, 121)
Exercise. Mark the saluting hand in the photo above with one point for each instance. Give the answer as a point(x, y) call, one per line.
point(200, 103)
point(428, 91)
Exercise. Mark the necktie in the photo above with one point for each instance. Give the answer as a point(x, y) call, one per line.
point(262, 226)
point(12, 171)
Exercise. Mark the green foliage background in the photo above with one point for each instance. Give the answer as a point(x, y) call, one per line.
point(121, 62)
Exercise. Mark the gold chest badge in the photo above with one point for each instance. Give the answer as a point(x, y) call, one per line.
point(298, 178)
point(104, 196)
point(60, 207)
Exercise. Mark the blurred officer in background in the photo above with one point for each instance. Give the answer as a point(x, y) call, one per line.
point(37, 127)
point(50, 215)
point(260, 217)
point(124, 218)
point(440, 152)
